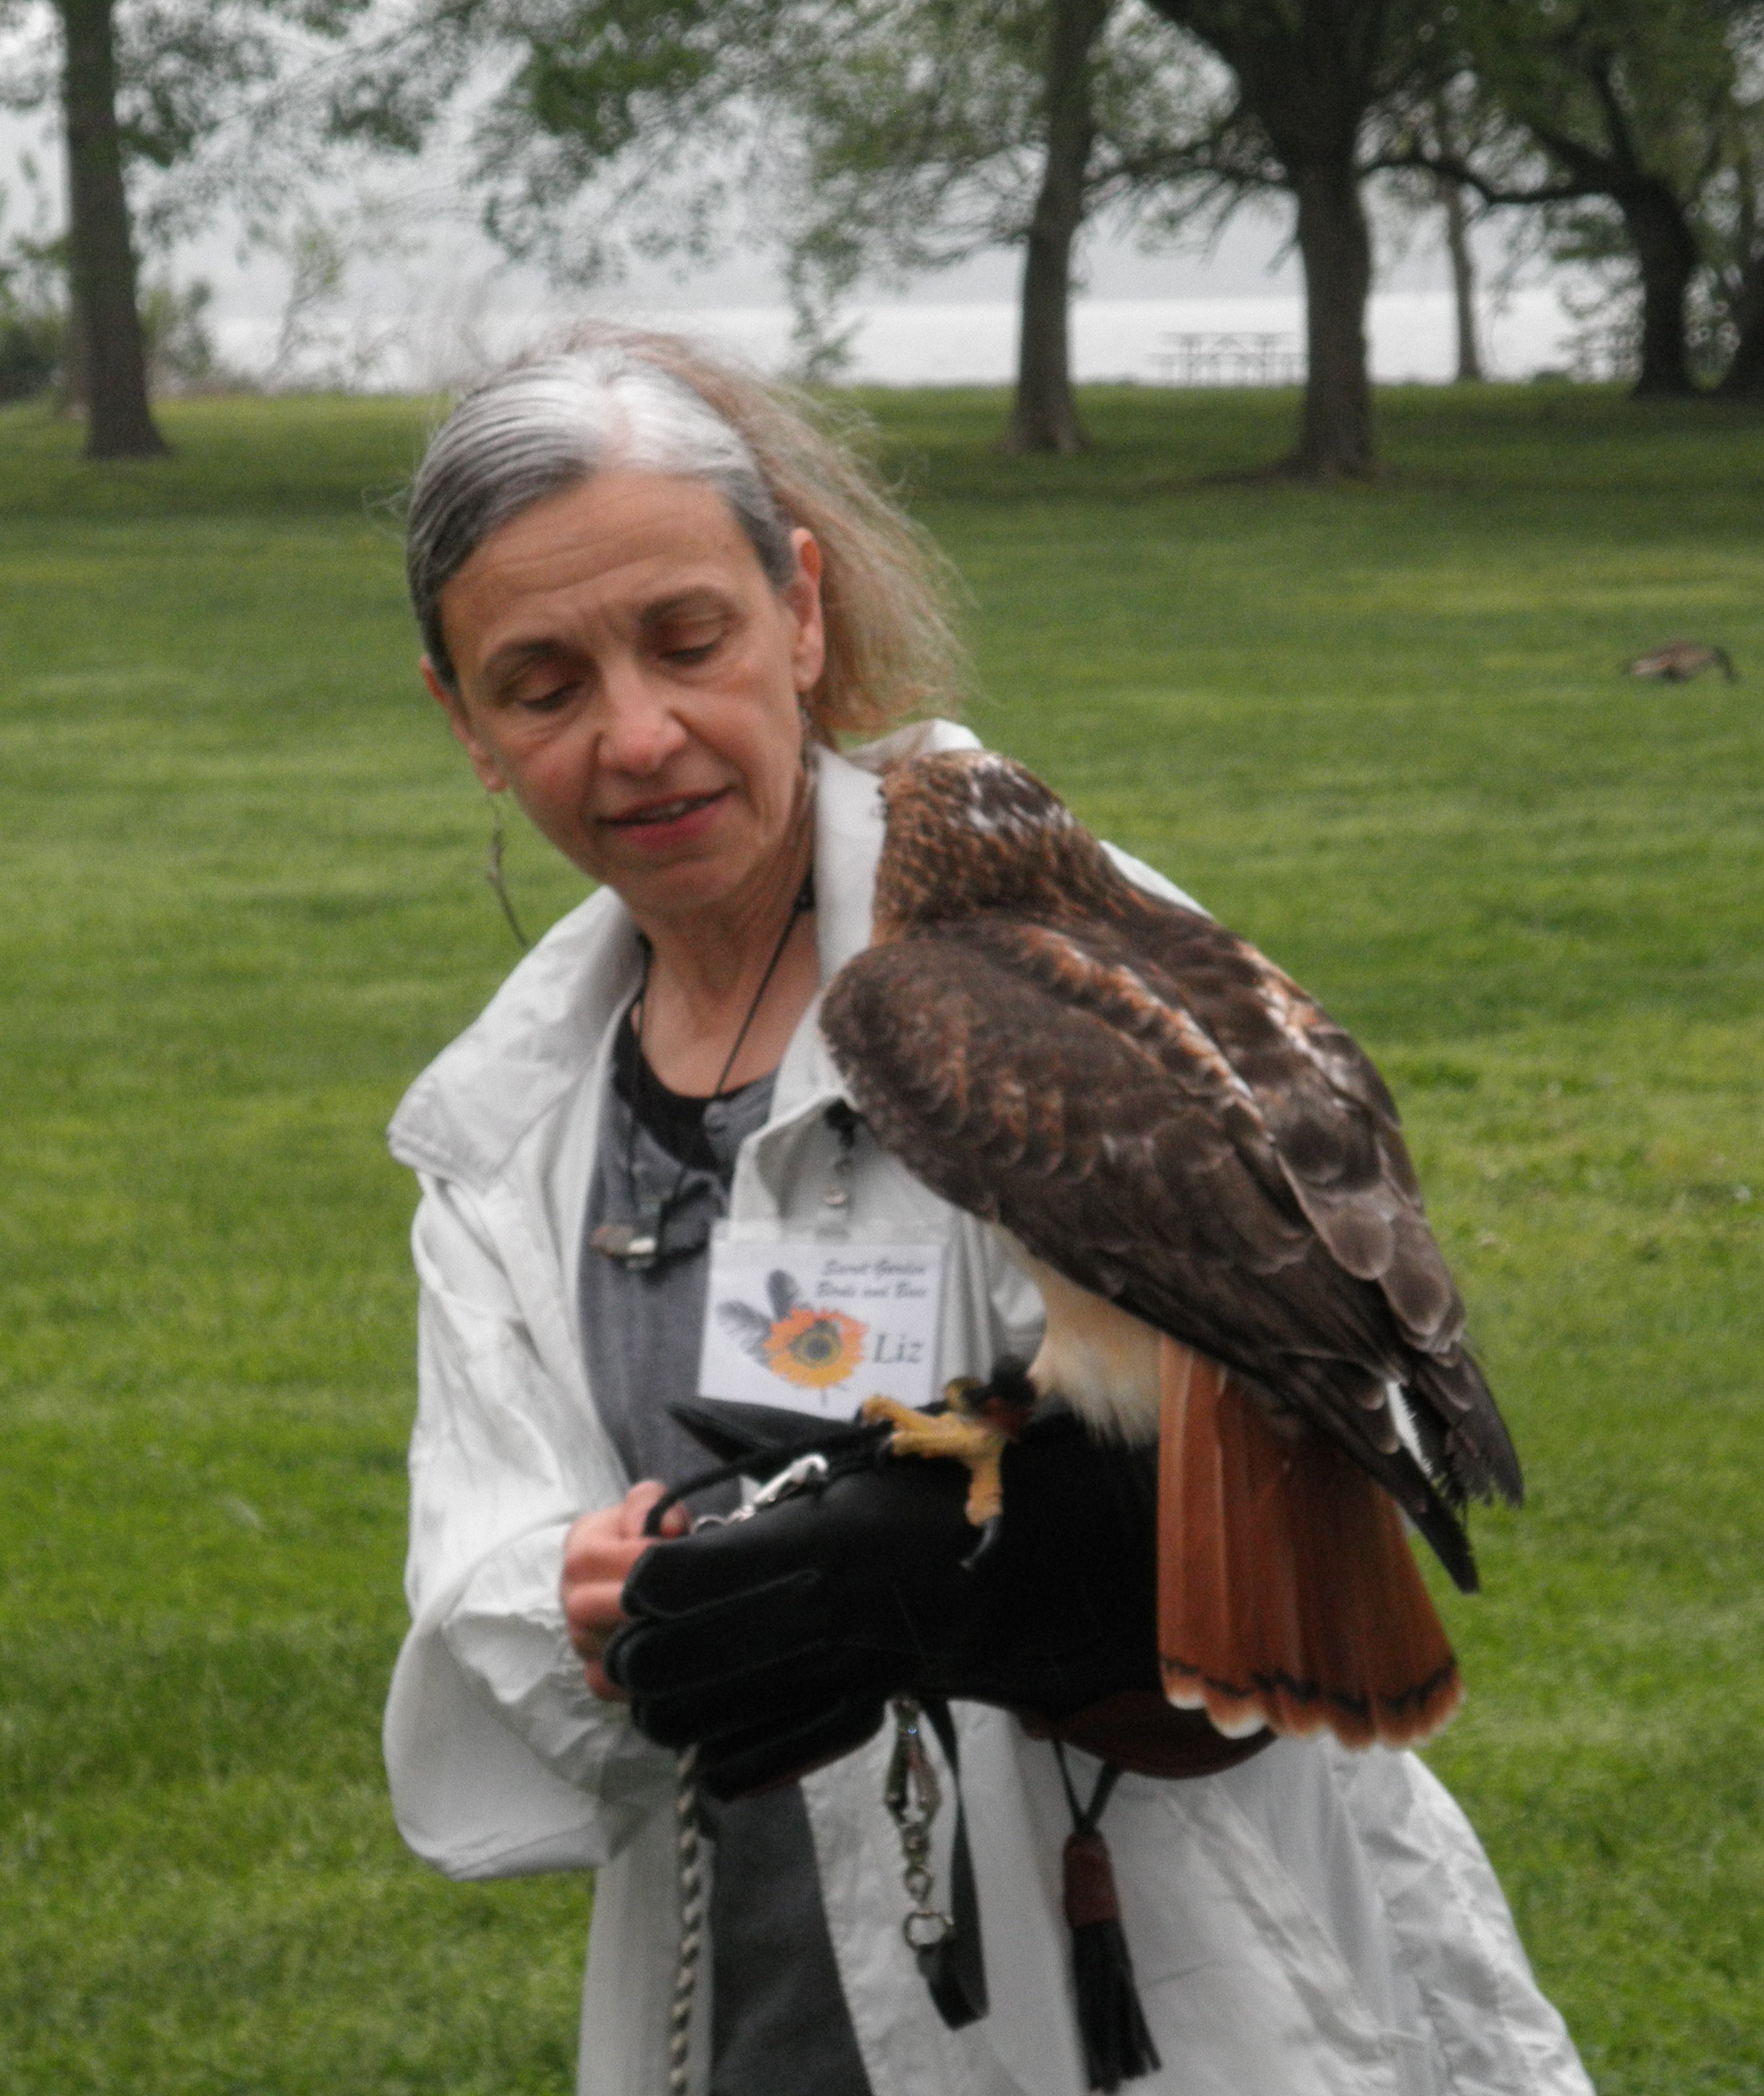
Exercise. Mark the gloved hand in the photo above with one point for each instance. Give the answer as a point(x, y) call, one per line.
point(774, 1643)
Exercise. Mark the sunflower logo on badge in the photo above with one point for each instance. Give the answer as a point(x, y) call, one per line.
point(815, 1347)
point(811, 1347)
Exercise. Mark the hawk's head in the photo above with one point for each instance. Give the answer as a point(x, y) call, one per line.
point(968, 830)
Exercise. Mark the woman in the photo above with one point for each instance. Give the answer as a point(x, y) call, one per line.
point(654, 600)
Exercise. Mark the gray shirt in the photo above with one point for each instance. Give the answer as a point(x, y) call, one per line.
point(779, 2026)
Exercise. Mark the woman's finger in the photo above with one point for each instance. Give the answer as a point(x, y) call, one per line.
point(602, 1684)
point(637, 1501)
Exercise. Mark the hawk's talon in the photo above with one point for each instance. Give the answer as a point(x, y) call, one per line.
point(989, 1542)
point(974, 1444)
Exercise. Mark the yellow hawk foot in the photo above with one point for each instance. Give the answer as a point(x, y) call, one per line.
point(975, 1443)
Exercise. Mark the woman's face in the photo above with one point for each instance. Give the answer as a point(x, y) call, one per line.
point(624, 667)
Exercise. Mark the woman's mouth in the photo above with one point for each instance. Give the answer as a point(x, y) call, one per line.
point(668, 822)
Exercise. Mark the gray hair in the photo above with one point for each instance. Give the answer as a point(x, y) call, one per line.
point(539, 427)
point(618, 396)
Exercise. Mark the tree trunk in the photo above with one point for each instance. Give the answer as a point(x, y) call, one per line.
point(1335, 439)
point(70, 395)
point(1044, 416)
point(1463, 279)
point(1666, 256)
point(1744, 379)
point(119, 422)
point(1307, 71)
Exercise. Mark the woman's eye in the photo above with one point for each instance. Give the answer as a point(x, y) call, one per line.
point(546, 701)
point(689, 644)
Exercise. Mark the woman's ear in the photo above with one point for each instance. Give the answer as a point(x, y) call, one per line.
point(464, 731)
point(803, 593)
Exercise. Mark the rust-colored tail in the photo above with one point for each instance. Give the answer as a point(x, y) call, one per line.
point(1288, 1596)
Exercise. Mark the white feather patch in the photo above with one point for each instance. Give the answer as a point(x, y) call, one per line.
point(1101, 1361)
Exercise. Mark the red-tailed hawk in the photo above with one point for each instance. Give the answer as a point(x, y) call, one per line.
point(1205, 1176)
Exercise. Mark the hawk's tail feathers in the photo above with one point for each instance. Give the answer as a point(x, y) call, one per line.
point(1288, 1594)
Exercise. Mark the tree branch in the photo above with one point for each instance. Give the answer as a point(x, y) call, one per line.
point(1455, 169)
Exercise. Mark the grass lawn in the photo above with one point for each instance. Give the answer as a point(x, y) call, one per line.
point(1380, 731)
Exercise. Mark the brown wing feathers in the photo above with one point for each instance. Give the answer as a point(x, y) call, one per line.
point(1332, 1122)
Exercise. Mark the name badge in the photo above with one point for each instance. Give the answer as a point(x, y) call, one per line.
point(817, 1326)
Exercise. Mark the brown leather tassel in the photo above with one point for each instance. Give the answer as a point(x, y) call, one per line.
point(1117, 2044)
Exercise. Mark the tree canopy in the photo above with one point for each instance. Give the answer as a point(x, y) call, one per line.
point(861, 139)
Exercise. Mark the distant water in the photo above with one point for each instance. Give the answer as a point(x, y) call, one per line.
point(1413, 336)
point(923, 344)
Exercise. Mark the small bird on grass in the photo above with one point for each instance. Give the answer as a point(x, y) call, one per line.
point(1680, 661)
point(1205, 1178)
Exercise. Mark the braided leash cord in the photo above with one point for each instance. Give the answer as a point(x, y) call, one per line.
point(806, 1470)
point(691, 1883)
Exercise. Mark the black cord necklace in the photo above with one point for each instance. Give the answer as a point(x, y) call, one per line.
point(637, 1246)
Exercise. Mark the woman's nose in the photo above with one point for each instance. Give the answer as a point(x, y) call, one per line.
point(639, 731)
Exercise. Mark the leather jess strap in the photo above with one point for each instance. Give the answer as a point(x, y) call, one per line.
point(954, 1968)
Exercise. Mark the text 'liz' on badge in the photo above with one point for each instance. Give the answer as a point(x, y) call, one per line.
point(817, 1327)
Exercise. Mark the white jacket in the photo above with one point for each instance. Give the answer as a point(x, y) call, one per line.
point(1310, 1923)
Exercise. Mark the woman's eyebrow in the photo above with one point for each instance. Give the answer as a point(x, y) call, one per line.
point(703, 597)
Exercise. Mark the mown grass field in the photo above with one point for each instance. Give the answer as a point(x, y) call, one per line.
point(1381, 731)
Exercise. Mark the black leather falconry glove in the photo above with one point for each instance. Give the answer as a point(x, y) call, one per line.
point(774, 1642)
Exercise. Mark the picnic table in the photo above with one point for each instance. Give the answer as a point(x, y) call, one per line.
point(1229, 357)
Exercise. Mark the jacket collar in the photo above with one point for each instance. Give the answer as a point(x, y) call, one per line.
point(465, 1115)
